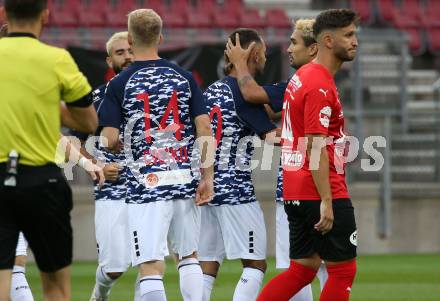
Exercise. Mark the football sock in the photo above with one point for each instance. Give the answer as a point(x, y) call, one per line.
point(137, 289)
point(322, 276)
point(103, 283)
point(20, 290)
point(191, 279)
point(208, 283)
point(152, 288)
point(305, 294)
point(288, 283)
point(249, 285)
point(339, 282)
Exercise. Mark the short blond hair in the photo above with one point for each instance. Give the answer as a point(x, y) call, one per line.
point(145, 27)
point(306, 28)
point(123, 35)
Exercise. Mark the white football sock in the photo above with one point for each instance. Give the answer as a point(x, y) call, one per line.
point(137, 289)
point(305, 294)
point(249, 285)
point(208, 283)
point(20, 290)
point(103, 283)
point(322, 275)
point(152, 288)
point(191, 279)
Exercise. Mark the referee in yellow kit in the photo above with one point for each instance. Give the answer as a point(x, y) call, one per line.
point(34, 196)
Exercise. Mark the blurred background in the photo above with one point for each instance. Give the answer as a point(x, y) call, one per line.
point(392, 89)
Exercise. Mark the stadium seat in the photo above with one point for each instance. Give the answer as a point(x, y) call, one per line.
point(116, 12)
point(409, 15)
point(277, 18)
point(64, 13)
point(251, 18)
point(174, 14)
point(200, 15)
point(363, 8)
point(431, 14)
point(416, 41)
point(434, 40)
point(387, 10)
point(91, 13)
point(228, 15)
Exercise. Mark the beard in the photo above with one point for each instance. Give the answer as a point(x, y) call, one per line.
point(344, 54)
point(118, 69)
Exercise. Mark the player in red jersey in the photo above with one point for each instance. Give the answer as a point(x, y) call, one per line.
point(321, 217)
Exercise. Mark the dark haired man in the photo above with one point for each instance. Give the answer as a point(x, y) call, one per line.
point(315, 194)
point(233, 223)
point(35, 197)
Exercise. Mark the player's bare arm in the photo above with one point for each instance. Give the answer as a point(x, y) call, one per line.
point(320, 167)
point(251, 90)
point(272, 115)
point(109, 138)
point(205, 190)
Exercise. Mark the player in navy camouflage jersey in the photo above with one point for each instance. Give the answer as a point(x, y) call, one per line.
point(161, 111)
point(110, 207)
point(302, 50)
point(233, 222)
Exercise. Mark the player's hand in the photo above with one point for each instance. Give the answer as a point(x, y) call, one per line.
point(111, 171)
point(4, 30)
point(205, 192)
point(325, 224)
point(236, 54)
point(98, 175)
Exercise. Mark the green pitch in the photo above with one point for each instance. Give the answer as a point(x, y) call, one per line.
point(379, 278)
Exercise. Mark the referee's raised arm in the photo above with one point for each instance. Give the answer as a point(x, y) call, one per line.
point(34, 196)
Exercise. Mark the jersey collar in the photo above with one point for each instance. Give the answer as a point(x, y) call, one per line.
point(21, 34)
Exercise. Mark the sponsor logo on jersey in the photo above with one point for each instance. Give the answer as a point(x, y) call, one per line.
point(323, 92)
point(353, 238)
point(324, 116)
point(292, 158)
point(151, 179)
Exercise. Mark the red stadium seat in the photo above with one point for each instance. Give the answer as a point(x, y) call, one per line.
point(434, 40)
point(363, 8)
point(91, 13)
point(416, 41)
point(63, 13)
point(116, 12)
point(174, 15)
point(430, 18)
point(387, 10)
point(228, 15)
point(251, 18)
point(410, 14)
point(200, 16)
point(277, 18)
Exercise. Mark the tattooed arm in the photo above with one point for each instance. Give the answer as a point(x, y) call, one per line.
point(251, 90)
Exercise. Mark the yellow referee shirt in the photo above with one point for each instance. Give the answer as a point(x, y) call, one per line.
point(34, 78)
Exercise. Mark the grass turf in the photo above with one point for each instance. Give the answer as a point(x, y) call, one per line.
point(379, 278)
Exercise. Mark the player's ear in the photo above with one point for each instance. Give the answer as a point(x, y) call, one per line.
point(161, 39)
point(45, 16)
point(109, 61)
point(327, 37)
point(313, 49)
point(130, 39)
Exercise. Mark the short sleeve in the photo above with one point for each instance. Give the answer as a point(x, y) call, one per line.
point(74, 84)
point(275, 93)
point(110, 110)
point(254, 116)
point(197, 104)
point(317, 111)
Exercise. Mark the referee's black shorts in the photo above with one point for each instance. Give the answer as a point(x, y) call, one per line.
point(39, 206)
point(337, 245)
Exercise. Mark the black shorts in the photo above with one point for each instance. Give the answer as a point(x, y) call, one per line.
point(39, 206)
point(337, 245)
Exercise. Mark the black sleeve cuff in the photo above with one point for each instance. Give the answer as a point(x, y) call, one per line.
point(84, 102)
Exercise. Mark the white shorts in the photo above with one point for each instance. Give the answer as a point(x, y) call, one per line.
point(112, 236)
point(22, 246)
point(282, 238)
point(234, 232)
point(150, 225)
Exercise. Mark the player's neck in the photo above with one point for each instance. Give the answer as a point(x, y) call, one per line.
point(145, 54)
point(234, 73)
point(33, 28)
point(330, 62)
